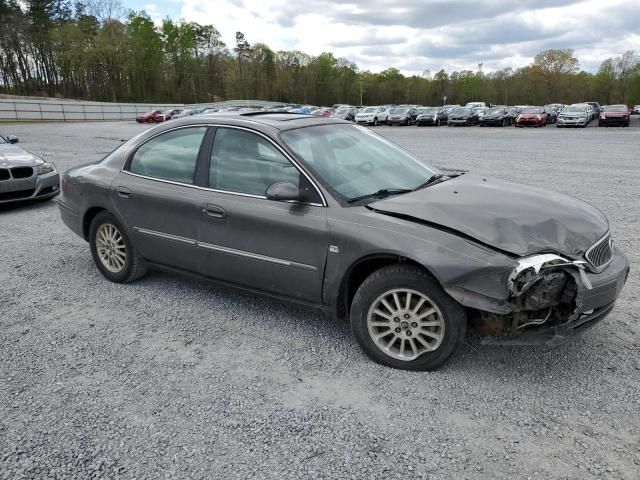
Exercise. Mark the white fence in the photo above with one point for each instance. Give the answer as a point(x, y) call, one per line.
point(68, 110)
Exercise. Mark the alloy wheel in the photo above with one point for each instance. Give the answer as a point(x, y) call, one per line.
point(405, 324)
point(111, 248)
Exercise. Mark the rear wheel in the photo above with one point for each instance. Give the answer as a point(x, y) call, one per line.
point(112, 251)
point(401, 317)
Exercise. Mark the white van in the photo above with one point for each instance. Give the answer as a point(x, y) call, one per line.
point(476, 104)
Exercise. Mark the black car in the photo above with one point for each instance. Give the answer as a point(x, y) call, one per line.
point(496, 117)
point(552, 113)
point(346, 113)
point(445, 112)
point(596, 108)
point(429, 116)
point(332, 215)
point(463, 116)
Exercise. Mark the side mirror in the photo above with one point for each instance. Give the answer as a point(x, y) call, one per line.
point(12, 139)
point(283, 191)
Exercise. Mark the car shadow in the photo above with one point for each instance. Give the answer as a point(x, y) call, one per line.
point(473, 358)
point(27, 205)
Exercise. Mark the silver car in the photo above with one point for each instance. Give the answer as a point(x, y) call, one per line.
point(573, 116)
point(24, 175)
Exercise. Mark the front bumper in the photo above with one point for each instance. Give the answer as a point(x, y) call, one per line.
point(571, 122)
point(613, 121)
point(37, 187)
point(492, 122)
point(458, 122)
point(529, 123)
point(592, 305)
point(426, 121)
point(396, 121)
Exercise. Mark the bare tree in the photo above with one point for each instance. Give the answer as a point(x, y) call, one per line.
point(625, 67)
point(105, 10)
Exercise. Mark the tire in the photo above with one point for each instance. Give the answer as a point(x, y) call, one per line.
point(438, 122)
point(407, 281)
point(133, 265)
point(375, 122)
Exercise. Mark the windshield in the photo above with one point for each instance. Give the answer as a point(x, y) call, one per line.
point(573, 110)
point(462, 111)
point(534, 111)
point(399, 111)
point(616, 108)
point(368, 110)
point(342, 111)
point(495, 111)
point(354, 161)
point(2, 140)
point(427, 111)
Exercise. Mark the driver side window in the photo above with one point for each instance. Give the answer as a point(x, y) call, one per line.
point(244, 162)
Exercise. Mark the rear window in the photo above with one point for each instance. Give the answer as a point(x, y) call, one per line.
point(170, 156)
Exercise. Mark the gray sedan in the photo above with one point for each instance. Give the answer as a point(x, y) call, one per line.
point(24, 176)
point(327, 213)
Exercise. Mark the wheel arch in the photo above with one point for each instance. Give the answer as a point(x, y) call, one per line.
point(360, 269)
point(88, 217)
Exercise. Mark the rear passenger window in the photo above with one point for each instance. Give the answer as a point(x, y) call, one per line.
point(244, 162)
point(170, 156)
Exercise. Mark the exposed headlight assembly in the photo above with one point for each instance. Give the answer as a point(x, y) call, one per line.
point(45, 168)
point(529, 271)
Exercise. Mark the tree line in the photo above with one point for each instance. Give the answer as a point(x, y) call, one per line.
point(94, 50)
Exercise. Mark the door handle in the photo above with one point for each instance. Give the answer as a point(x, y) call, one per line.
point(123, 192)
point(213, 211)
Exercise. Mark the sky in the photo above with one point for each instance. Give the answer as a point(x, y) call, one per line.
point(418, 35)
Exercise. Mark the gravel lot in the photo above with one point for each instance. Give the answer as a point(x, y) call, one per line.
point(174, 378)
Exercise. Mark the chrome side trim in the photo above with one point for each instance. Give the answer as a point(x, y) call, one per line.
point(227, 250)
point(166, 236)
point(266, 137)
point(255, 256)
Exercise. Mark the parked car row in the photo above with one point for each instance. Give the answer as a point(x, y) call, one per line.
point(473, 113)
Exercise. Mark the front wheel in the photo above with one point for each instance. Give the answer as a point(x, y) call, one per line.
point(402, 318)
point(112, 251)
point(375, 122)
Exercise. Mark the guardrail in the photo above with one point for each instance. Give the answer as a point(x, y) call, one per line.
point(69, 110)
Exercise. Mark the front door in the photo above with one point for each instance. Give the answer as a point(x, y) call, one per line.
point(279, 247)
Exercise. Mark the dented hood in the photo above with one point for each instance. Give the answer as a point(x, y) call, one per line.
point(508, 216)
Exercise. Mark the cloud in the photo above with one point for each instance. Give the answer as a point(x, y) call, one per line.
point(414, 35)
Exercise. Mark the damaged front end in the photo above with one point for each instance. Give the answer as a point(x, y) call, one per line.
point(546, 303)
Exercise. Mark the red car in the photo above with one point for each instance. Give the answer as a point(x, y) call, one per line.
point(531, 117)
point(323, 112)
point(150, 117)
point(614, 115)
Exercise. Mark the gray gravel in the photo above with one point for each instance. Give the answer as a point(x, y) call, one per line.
point(174, 378)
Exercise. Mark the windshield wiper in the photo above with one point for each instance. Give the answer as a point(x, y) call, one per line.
point(432, 179)
point(383, 192)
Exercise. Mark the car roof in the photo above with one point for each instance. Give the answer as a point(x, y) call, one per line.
point(276, 120)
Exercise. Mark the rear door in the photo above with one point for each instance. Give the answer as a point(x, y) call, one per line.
point(158, 199)
point(279, 247)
